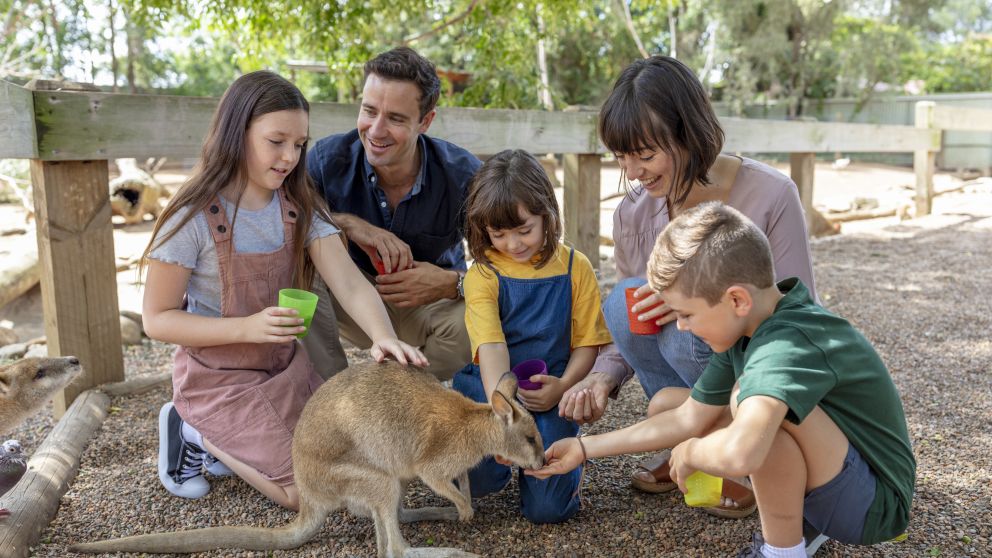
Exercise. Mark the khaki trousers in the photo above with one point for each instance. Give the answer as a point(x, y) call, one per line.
point(438, 329)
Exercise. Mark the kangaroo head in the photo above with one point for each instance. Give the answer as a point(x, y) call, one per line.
point(521, 441)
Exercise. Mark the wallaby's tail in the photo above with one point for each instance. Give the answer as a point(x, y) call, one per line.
point(292, 535)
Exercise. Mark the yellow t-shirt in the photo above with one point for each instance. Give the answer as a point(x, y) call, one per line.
point(482, 298)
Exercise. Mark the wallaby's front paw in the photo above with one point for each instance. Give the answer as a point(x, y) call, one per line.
point(465, 513)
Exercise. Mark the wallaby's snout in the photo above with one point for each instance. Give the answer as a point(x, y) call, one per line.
point(522, 441)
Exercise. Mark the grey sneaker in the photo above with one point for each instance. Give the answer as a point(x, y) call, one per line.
point(814, 539)
point(180, 463)
point(753, 551)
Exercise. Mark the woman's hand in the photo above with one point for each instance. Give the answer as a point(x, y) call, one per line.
point(274, 324)
point(652, 307)
point(563, 456)
point(544, 398)
point(403, 353)
point(586, 401)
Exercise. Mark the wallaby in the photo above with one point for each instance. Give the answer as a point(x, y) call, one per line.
point(365, 434)
point(29, 383)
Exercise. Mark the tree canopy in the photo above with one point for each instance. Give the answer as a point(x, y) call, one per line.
point(510, 53)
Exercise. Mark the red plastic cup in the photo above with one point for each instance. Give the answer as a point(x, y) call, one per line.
point(637, 326)
point(379, 266)
point(528, 368)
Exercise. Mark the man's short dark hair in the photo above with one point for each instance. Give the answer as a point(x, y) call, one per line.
point(405, 64)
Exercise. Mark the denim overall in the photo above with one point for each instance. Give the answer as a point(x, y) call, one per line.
point(536, 316)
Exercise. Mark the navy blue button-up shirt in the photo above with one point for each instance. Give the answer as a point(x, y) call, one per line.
point(430, 218)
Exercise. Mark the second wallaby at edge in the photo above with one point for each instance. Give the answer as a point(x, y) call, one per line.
point(361, 438)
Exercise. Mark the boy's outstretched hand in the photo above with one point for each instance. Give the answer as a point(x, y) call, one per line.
point(563, 456)
point(403, 353)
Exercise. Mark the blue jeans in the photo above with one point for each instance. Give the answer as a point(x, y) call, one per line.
point(671, 358)
point(552, 500)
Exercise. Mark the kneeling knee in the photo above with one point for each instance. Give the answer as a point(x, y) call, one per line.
point(547, 513)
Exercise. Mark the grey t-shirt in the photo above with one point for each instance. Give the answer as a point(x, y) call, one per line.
point(193, 248)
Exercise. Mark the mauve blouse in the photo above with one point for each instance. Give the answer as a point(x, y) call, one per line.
point(766, 196)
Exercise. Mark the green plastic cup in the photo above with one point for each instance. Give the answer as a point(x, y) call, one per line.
point(305, 302)
point(703, 490)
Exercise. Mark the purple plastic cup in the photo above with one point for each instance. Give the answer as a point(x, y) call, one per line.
point(528, 368)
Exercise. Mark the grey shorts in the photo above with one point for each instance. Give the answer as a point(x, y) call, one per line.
point(838, 508)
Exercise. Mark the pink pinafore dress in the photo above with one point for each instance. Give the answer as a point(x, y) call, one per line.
point(245, 398)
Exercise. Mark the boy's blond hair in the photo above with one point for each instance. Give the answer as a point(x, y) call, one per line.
point(708, 249)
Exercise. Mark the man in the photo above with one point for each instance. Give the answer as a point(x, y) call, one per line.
point(399, 196)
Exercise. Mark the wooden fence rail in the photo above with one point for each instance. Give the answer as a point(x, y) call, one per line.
point(71, 134)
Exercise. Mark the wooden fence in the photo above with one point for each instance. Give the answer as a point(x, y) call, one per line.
point(70, 133)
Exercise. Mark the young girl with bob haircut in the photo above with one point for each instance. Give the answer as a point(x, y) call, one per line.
point(667, 139)
point(527, 296)
point(244, 226)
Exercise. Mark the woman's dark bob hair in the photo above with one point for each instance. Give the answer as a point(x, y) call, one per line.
point(658, 103)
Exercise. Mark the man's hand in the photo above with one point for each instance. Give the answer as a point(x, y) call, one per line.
point(421, 284)
point(394, 253)
point(586, 401)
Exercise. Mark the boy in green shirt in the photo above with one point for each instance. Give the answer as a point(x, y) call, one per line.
point(794, 397)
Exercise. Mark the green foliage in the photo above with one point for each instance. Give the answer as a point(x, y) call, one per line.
point(964, 66)
point(792, 51)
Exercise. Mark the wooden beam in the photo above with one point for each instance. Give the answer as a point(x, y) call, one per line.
point(78, 277)
point(581, 212)
point(35, 498)
point(780, 136)
point(925, 160)
point(962, 118)
point(95, 125)
point(79, 125)
point(17, 139)
point(802, 167)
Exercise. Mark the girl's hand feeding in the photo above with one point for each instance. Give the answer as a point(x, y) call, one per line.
point(403, 353)
point(274, 324)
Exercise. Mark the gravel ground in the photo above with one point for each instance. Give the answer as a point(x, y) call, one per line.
point(917, 289)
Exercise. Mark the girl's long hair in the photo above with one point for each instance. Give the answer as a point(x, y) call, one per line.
point(223, 163)
point(502, 184)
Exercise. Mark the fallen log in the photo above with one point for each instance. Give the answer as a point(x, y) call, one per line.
point(35, 498)
point(19, 274)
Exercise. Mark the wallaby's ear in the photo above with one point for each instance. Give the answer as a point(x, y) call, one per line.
point(507, 385)
point(4, 384)
point(503, 408)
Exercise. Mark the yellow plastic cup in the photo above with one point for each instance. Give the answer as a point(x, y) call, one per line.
point(703, 490)
point(305, 302)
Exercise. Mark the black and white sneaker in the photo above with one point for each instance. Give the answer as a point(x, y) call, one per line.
point(814, 539)
point(180, 463)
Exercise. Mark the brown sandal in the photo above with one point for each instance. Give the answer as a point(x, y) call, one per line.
point(657, 467)
point(741, 494)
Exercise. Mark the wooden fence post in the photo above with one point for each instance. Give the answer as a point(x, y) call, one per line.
point(581, 212)
point(802, 167)
point(76, 253)
point(924, 162)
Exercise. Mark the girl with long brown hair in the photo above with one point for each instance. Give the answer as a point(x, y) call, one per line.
point(244, 226)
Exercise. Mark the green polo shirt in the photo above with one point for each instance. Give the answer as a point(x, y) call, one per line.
point(805, 356)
